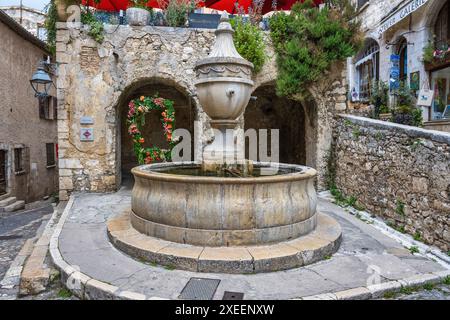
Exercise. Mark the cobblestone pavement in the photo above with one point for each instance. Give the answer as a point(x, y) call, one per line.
point(438, 292)
point(15, 229)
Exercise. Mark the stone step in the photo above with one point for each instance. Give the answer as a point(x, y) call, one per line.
point(7, 202)
point(316, 246)
point(18, 205)
point(4, 196)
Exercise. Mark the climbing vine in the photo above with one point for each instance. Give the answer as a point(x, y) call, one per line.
point(309, 40)
point(50, 25)
point(137, 110)
point(249, 42)
point(96, 30)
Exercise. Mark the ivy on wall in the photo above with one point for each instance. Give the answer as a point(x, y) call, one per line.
point(309, 40)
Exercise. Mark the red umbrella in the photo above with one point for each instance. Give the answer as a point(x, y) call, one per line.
point(230, 5)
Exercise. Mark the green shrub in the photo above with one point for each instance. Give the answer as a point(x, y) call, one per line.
point(96, 30)
point(50, 25)
point(428, 52)
point(309, 40)
point(249, 42)
point(380, 98)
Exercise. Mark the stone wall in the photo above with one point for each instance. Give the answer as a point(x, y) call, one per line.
point(98, 81)
point(397, 172)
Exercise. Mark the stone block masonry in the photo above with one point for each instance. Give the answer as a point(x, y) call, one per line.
point(397, 172)
point(98, 80)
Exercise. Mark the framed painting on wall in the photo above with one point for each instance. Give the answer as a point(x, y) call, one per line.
point(414, 81)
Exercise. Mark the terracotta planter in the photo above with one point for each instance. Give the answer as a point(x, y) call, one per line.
point(137, 16)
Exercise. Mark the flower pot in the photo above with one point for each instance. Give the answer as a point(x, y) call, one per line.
point(137, 16)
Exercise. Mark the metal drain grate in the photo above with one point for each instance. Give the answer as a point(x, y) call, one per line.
point(199, 289)
point(227, 295)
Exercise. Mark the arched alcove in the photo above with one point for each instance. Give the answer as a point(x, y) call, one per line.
point(152, 131)
point(297, 122)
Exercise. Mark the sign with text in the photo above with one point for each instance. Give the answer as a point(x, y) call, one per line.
point(86, 120)
point(400, 14)
point(394, 78)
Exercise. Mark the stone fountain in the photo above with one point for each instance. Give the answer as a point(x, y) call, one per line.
point(225, 214)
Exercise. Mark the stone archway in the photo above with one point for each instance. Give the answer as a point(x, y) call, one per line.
point(153, 133)
point(297, 122)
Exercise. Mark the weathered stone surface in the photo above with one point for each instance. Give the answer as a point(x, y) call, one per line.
point(97, 290)
point(132, 58)
point(228, 260)
point(359, 293)
point(398, 172)
point(242, 259)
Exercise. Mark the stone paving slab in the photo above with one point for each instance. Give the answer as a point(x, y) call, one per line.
point(366, 259)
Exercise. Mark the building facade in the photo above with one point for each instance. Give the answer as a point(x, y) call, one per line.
point(406, 41)
point(31, 19)
point(28, 135)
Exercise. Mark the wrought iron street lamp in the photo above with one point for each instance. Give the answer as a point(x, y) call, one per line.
point(41, 81)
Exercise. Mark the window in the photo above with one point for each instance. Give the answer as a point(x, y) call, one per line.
point(51, 159)
point(47, 107)
point(367, 68)
point(442, 25)
point(402, 51)
point(18, 160)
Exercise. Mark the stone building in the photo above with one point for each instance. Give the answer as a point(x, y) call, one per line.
point(28, 166)
point(96, 83)
point(397, 34)
point(31, 19)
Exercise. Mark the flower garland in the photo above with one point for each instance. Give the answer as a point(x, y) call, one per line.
point(138, 108)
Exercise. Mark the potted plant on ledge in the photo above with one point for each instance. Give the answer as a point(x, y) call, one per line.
point(137, 13)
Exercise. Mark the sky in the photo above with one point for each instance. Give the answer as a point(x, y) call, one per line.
point(36, 4)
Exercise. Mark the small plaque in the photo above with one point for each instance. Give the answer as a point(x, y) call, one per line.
point(87, 134)
point(86, 120)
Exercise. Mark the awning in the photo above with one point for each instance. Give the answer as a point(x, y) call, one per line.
point(364, 60)
point(399, 14)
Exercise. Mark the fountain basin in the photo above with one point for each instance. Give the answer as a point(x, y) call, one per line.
point(171, 201)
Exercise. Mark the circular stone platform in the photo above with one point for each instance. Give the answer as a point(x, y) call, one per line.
point(315, 246)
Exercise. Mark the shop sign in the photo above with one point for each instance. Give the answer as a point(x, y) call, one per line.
point(425, 98)
point(400, 14)
point(394, 79)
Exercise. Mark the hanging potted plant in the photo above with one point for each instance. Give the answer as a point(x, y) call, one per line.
point(137, 13)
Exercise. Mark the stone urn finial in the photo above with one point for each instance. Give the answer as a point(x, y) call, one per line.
point(224, 79)
point(224, 85)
